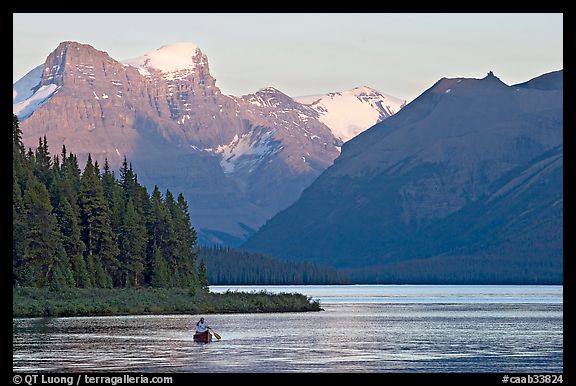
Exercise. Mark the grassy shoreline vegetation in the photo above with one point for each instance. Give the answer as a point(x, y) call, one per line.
point(44, 302)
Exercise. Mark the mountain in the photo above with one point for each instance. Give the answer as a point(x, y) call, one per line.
point(463, 185)
point(349, 113)
point(238, 159)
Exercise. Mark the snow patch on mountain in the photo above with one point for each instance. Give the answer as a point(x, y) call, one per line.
point(265, 97)
point(26, 107)
point(24, 87)
point(247, 150)
point(174, 61)
point(349, 113)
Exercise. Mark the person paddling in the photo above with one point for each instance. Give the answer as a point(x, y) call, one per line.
point(201, 326)
point(202, 333)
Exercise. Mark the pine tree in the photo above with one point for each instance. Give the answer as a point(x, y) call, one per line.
point(70, 185)
point(97, 169)
point(132, 239)
point(183, 205)
point(72, 242)
point(160, 275)
point(97, 232)
point(159, 232)
point(171, 244)
point(158, 218)
point(114, 197)
point(186, 236)
point(21, 273)
point(127, 179)
point(64, 156)
point(141, 199)
point(102, 232)
point(43, 250)
point(203, 276)
point(132, 189)
point(18, 152)
point(43, 163)
point(17, 146)
point(55, 188)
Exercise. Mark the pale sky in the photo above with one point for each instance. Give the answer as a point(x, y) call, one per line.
point(302, 54)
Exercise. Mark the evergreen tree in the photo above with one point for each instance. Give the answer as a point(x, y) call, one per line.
point(133, 238)
point(70, 185)
point(141, 199)
point(97, 232)
point(43, 250)
point(102, 232)
point(186, 236)
point(114, 197)
point(64, 156)
point(18, 152)
point(96, 169)
point(17, 146)
point(127, 181)
point(158, 218)
point(131, 188)
point(160, 275)
point(72, 242)
point(171, 244)
point(203, 276)
point(183, 205)
point(43, 163)
point(55, 188)
point(159, 231)
point(30, 156)
point(21, 273)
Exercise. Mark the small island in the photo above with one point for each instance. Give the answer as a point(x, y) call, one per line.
point(87, 244)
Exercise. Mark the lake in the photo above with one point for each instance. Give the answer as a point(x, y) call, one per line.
point(363, 328)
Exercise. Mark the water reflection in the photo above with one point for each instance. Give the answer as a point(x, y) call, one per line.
point(346, 337)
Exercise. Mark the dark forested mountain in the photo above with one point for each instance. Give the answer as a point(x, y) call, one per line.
point(464, 184)
point(232, 266)
point(239, 159)
point(92, 229)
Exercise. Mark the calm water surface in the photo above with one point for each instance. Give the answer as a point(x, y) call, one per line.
point(379, 328)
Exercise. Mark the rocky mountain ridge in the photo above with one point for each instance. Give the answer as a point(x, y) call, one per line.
point(239, 160)
point(464, 184)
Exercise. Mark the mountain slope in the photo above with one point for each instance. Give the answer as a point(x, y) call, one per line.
point(434, 182)
point(28, 95)
point(348, 113)
point(239, 160)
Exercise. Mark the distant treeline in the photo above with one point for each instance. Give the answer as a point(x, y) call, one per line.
point(91, 229)
point(236, 267)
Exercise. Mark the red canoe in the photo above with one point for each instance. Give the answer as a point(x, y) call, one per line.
point(203, 337)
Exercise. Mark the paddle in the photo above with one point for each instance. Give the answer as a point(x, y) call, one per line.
point(215, 334)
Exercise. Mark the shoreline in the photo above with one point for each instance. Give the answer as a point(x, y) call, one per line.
point(74, 302)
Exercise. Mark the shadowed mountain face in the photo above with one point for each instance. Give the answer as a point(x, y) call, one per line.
point(238, 160)
point(463, 185)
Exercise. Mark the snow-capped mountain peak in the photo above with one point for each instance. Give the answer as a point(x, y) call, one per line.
point(366, 105)
point(241, 159)
point(269, 97)
point(173, 60)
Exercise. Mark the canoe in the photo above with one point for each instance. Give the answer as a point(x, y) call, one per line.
point(203, 337)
